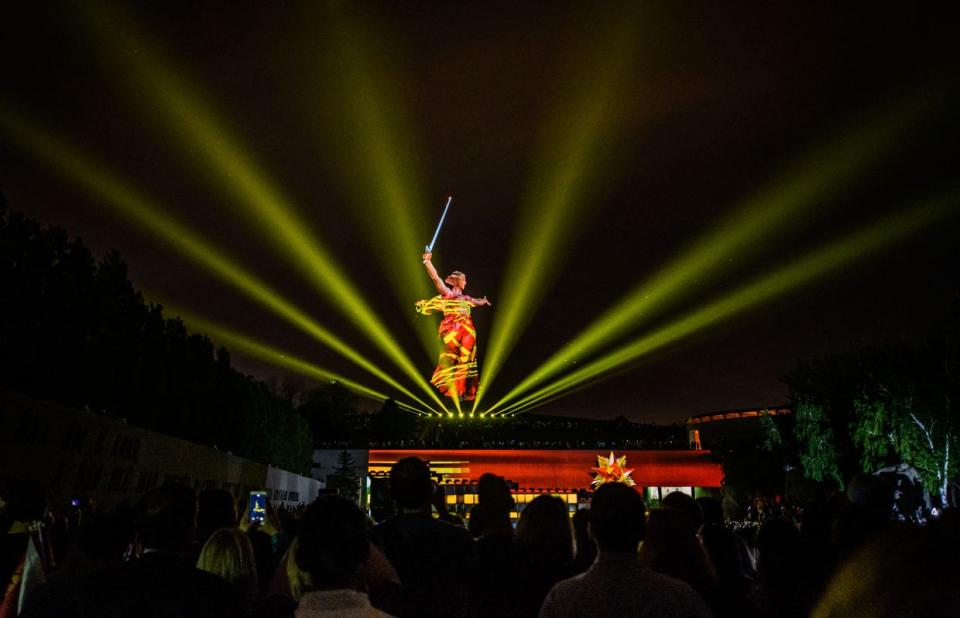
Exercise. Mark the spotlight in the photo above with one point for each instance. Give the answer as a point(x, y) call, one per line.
point(802, 271)
point(807, 184)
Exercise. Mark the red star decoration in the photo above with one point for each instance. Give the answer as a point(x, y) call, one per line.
point(612, 470)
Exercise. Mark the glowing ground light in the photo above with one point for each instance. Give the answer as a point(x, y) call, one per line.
point(804, 270)
point(152, 218)
point(208, 140)
point(806, 185)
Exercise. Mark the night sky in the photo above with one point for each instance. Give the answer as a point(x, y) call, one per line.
point(713, 103)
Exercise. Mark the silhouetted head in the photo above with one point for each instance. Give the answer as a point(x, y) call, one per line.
point(216, 509)
point(586, 548)
point(728, 553)
point(671, 547)
point(617, 515)
point(778, 549)
point(494, 493)
point(229, 554)
point(712, 510)
point(581, 521)
point(332, 543)
point(679, 501)
point(544, 531)
point(491, 515)
point(166, 518)
point(410, 484)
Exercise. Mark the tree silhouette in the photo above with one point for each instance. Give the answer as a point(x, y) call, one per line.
point(330, 410)
point(391, 422)
point(76, 331)
point(344, 478)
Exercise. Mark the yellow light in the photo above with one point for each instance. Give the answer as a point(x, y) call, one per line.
point(801, 271)
point(194, 124)
point(152, 218)
point(808, 184)
point(565, 172)
point(377, 153)
point(250, 347)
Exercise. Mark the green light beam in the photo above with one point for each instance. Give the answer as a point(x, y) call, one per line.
point(261, 351)
point(384, 175)
point(820, 262)
point(151, 218)
point(193, 122)
point(566, 171)
point(806, 185)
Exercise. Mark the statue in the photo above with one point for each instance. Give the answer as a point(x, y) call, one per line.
point(456, 375)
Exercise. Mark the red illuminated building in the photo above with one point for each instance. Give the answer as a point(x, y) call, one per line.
point(566, 473)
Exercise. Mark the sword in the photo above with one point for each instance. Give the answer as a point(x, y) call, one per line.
point(429, 248)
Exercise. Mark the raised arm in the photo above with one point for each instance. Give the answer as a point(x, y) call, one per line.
point(432, 272)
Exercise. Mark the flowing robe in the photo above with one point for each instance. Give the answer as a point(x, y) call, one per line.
point(456, 375)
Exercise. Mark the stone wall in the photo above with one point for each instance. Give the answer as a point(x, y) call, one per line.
point(79, 454)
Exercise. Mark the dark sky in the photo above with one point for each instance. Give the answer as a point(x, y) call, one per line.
point(715, 101)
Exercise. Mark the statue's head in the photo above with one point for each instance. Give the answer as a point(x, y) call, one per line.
point(457, 278)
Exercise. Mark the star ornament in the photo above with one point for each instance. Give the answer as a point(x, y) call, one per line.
point(612, 470)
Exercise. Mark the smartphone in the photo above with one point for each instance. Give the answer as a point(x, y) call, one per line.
point(257, 508)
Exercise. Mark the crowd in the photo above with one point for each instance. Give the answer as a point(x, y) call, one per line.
point(174, 553)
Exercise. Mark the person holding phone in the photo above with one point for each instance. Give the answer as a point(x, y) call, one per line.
point(257, 506)
point(266, 535)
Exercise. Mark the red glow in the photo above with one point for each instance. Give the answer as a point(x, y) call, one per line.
point(568, 469)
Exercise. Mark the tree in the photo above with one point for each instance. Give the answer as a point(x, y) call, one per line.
point(890, 404)
point(904, 428)
point(872, 430)
point(814, 432)
point(329, 409)
point(76, 331)
point(822, 393)
point(344, 478)
point(749, 473)
point(392, 423)
point(773, 437)
point(291, 388)
point(928, 441)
